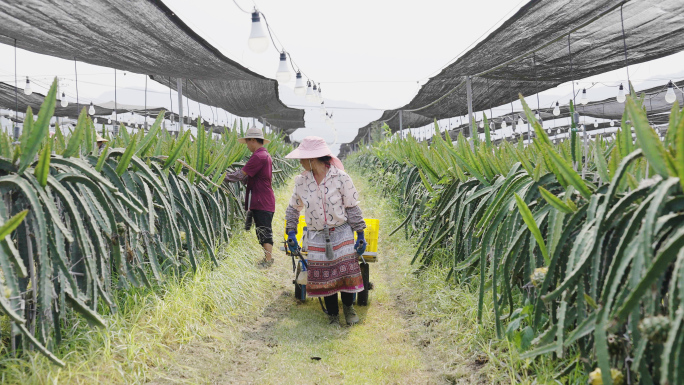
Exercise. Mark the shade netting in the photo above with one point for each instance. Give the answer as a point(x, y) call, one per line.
point(546, 43)
point(142, 36)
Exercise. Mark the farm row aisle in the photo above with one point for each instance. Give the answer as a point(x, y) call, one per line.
point(414, 331)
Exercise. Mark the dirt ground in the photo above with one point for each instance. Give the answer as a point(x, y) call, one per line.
point(291, 342)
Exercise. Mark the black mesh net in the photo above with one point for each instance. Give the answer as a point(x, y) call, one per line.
point(547, 43)
point(657, 110)
point(143, 36)
point(239, 95)
point(12, 98)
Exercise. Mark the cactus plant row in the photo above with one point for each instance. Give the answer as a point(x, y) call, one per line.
point(83, 220)
point(594, 262)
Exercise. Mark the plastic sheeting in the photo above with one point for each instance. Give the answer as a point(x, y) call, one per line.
point(142, 36)
point(546, 43)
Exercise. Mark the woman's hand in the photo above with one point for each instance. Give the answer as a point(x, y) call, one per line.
point(292, 241)
point(360, 245)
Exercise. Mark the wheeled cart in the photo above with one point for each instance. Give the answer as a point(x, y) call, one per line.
point(299, 265)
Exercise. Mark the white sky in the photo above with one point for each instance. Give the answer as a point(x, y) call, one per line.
point(367, 55)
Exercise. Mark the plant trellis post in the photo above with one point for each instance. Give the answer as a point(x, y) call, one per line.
point(469, 93)
point(179, 86)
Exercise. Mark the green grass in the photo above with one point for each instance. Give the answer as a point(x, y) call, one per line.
point(152, 324)
point(235, 323)
point(442, 316)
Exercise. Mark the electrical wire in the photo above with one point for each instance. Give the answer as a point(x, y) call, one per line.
point(240, 8)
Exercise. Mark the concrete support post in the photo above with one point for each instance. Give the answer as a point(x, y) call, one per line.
point(179, 88)
point(401, 122)
point(469, 93)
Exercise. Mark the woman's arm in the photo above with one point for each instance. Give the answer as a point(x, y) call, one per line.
point(351, 204)
point(291, 219)
point(292, 212)
point(355, 218)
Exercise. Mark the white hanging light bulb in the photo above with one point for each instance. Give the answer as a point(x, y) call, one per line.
point(670, 96)
point(319, 96)
point(621, 95)
point(27, 88)
point(492, 126)
point(310, 97)
point(595, 123)
point(109, 120)
point(63, 102)
point(536, 114)
point(481, 125)
point(584, 100)
point(95, 121)
point(300, 87)
point(558, 131)
point(520, 121)
point(283, 75)
point(258, 41)
point(503, 123)
point(91, 110)
point(556, 110)
point(314, 94)
point(612, 123)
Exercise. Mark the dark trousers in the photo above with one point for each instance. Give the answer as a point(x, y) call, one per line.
point(263, 220)
point(331, 302)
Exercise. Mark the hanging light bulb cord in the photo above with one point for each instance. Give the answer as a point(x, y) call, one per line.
point(239, 7)
point(273, 37)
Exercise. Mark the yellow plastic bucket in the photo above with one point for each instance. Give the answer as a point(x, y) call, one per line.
point(371, 233)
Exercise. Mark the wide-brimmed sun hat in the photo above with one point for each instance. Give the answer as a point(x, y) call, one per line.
point(314, 147)
point(253, 133)
point(98, 138)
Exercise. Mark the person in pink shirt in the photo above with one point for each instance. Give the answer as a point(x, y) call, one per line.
point(330, 202)
point(260, 199)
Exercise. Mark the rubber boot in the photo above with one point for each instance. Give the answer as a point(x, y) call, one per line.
point(334, 319)
point(350, 315)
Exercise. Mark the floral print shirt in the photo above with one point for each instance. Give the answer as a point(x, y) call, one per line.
point(336, 191)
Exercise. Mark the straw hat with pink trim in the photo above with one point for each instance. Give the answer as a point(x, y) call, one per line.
point(314, 147)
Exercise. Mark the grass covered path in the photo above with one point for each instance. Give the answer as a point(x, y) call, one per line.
point(416, 329)
point(291, 342)
point(238, 325)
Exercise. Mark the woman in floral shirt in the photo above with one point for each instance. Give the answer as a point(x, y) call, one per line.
point(330, 200)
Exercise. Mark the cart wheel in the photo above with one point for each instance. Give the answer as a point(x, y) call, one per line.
point(362, 297)
point(298, 292)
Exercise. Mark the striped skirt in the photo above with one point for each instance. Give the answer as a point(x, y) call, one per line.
point(342, 273)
